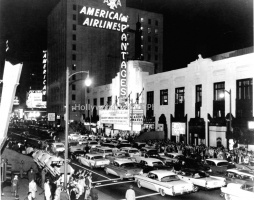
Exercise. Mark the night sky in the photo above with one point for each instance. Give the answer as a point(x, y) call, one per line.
point(191, 27)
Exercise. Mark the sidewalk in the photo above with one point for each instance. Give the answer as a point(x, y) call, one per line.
point(23, 189)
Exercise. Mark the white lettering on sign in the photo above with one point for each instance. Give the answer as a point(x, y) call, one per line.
point(104, 19)
point(123, 66)
point(44, 89)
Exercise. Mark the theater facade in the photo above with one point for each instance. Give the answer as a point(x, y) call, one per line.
point(192, 104)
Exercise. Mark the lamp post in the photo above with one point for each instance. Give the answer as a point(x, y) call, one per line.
point(87, 83)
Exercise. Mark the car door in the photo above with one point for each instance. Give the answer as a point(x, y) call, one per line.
point(151, 181)
point(86, 160)
point(113, 168)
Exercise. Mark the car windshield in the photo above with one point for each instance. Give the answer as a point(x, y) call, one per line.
point(152, 152)
point(133, 151)
point(108, 151)
point(128, 164)
point(157, 163)
point(170, 178)
point(222, 164)
point(200, 175)
point(59, 146)
point(93, 143)
point(97, 157)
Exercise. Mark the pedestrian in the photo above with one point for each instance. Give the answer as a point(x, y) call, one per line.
point(3, 174)
point(47, 190)
point(64, 195)
point(58, 192)
point(94, 193)
point(29, 196)
point(15, 185)
point(88, 182)
point(43, 175)
point(130, 194)
point(21, 169)
point(31, 175)
point(33, 188)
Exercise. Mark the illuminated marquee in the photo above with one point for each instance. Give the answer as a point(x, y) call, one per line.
point(44, 62)
point(98, 18)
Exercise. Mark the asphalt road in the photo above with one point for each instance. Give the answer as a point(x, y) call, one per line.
point(116, 188)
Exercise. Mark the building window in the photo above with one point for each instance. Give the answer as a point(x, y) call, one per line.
point(73, 66)
point(219, 100)
point(148, 57)
point(73, 56)
point(74, 77)
point(155, 67)
point(156, 40)
point(73, 87)
point(156, 23)
point(141, 19)
point(149, 38)
point(109, 101)
point(74, 7)
point(150, 102)
point(73, 97)
point(102, 101)
point(156, 57)
point(74, 27)
point(219, 89)
point(179, 98)
point(95, 102)
point(198, 103)
point(156, 31)
point(149, 21)
point(74, 47)
point(164, 97)
point(74, 17)
point(141, 28)
point(149, 30)
point(73, 37)
point(244, 98)
point(149, 47)
point(156, 48)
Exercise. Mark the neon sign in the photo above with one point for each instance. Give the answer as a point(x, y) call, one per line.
point(112, 3)
point(98, 18)
point(44, 62)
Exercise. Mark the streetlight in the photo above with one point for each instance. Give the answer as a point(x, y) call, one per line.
point(230, 119)
point(87, 83)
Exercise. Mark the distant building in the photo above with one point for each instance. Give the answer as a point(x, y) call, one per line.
point(84, 35)
point(192, 104)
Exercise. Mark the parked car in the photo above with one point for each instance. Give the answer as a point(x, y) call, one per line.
point(236, 191)
point(105, 151)
point(139, 145)
point(131, 151)
point(150, 164)
point(124, 168)
point(118, 155)
point(74, 156)
point(58, 147)
point(173, 157)
point(78, 147)
point(93, 160)
point(218, 165)
point(190, 163)
point(201, 179)
point(239, 176)
point(165, 182)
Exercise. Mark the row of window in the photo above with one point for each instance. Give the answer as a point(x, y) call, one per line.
point(149, 21)
point(149, 30)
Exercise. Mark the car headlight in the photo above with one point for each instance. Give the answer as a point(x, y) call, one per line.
point(210, 170)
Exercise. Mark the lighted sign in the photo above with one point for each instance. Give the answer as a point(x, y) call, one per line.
point(99, 18)
point(178, 128)
point(112, 3)
point(51, 117)
point(123, 66)
point(120, 117)
point(44, 62)
point(34, 99)
point(137, 116)
point(16, 101)
point(251, 125)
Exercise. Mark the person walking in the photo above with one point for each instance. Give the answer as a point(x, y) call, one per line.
point(130, 194)
point(47, 190)
point(33, 188)
point(29, 196)
point(88, 182)
point(64, 195)
point(43, 175)
point(15, 185)
point(31, 175)
point(21, 169)
point(93, 193)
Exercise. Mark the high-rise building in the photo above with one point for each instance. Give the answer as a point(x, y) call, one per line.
point(85, 35)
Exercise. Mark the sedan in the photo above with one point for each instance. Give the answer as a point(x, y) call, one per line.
point(93, 160)
point(74, 156)
point(124, 168)
point(165, 182)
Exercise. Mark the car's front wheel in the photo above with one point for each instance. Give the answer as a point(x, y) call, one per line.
point(162, 192)
point(138, 183)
